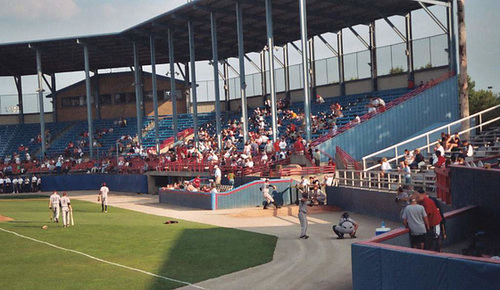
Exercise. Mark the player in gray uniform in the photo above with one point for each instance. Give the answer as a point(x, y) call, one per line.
point(66, 208)
point(103, 197)
point(303, 203)
point(346, 226)
point(54, 203)
point(267, 196)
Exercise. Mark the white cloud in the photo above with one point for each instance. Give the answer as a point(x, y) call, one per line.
point(37, 9)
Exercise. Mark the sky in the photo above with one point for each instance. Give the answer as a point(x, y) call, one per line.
point(25, 20)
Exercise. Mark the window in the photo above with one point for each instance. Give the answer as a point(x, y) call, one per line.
point(74, 101)
point(130, 97)
point(148, 97)
point(105, 100)
point(120, 98)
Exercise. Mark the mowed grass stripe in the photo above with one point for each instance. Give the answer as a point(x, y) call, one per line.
point(185, 251)
point(99, 260)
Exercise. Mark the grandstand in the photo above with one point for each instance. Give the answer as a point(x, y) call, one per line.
point(127, 124)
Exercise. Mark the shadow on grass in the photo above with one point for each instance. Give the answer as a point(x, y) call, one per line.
point(201, 254)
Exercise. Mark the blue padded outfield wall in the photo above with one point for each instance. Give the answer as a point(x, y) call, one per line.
point(116, 182)
point(437, 104)
point(244, 196)
point(392, 264)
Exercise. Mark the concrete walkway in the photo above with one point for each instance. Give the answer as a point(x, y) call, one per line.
point(321, 262)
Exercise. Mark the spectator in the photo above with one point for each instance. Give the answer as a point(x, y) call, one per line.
point(415, 218)
point(434, 218)
point(317, 157)
point(418, 161)
point(318, 196)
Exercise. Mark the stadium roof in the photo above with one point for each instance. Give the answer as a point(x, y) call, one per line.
point(115, 50)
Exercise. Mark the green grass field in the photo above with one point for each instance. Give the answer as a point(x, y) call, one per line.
point(187, 251)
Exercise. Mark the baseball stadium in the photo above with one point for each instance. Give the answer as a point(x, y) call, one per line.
point(237, 144)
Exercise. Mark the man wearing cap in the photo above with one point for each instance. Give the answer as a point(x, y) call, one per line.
point(267, 195)
point(66, 208)
point(415, 218)
point(103, 197)
point(54, 203)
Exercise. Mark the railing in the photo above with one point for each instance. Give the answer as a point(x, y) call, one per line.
point(443, 184)
point(380, 181)
point(388, 106)
point(427, 137)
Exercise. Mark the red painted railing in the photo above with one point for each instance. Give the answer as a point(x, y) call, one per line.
point(443, 184)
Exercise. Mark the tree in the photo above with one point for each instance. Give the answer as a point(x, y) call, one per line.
point(481, 99)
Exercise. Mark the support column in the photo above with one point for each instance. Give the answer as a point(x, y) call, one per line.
point(138, 94)
point(40, 101)
point(373, 57)
point(97, 100)
point(286, 61)
point(54, 97)
point(89, 100)
point(452, 50)
point(340, 48)
point(305, 74)
point(272, 84)
point(215, 64)
point(155, 92)
point(409, 48)
point(263, 77)
point(463, 83)
point(312, 67)
point(192, 61)
point(173, 96)
point(186, 85)
point(243, 84)
point(227, 93)
point(19, 86)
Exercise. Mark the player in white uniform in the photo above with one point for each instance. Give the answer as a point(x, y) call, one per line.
point(15, 189)
point(66, 208)
point(103, 197)
point(54, 202)
point(1, 185)
point(20, 181)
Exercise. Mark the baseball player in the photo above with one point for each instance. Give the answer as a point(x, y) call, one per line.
point(346, 226)
point(20, 181)
point(54, 202)
point(103, 197)
point(265, 192)
point(2, 184)
point(66, 208)
point(8, 185)
point(15, 189)
point(303, 203)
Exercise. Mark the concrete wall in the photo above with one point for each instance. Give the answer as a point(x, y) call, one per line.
point(372, 203)
point(116, 182)
point(382, 263)
point(437, 104)
point(28, 119)
point(475, 186)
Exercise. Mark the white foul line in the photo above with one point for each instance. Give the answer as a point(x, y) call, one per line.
point(103, 261)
